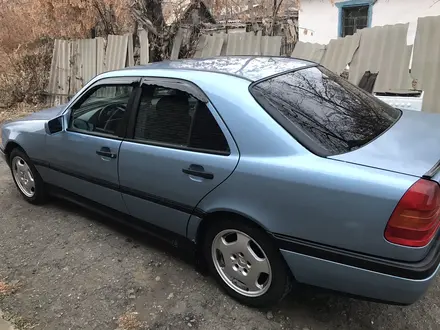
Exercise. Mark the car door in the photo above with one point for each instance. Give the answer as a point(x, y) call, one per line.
point(83, 159)
point(177, 150)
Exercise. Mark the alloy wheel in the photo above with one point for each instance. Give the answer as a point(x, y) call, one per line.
point(23, 176)
point(241, 263)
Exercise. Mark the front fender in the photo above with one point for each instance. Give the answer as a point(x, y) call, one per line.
point(29, 135)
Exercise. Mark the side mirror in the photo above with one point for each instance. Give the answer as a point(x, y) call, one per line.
point(54, 125)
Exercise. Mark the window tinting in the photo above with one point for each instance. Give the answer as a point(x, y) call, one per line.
point(353, 19)
point(336, 115)
point(177, 118)
point(102, 110)
point(205, 132)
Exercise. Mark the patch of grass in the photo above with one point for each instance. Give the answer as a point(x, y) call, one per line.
point(7, 289)
point(130, 321)
point(18, 111)
point(18, 322)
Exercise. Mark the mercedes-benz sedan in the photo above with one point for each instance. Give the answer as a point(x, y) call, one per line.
point(274, 170)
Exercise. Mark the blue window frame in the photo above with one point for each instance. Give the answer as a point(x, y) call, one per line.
point(354, 15)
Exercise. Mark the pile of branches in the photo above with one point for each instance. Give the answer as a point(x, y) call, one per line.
point(148, 15)
point(24, 73)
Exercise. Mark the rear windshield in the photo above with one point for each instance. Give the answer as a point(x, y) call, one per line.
point(325, 112)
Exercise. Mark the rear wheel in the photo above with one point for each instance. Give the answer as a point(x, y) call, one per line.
point(246, 263)
point(26, 177)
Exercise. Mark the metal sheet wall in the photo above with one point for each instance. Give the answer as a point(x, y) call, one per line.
point(60, 74)
point(145, 47)
point(340, 52)
point(308, 51)
point(425, 67)
point(116, 53)
point(383, 50)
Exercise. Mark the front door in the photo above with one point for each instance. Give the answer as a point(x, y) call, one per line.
point(84, 158)
point(177, 151)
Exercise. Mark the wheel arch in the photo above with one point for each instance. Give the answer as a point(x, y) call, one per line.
point(11, 145)
point(202, 261)
point(210, 217)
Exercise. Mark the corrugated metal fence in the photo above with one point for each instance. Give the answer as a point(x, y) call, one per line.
point(384, 50)
point(247, 43)
point(381, 50)
point(75, 62)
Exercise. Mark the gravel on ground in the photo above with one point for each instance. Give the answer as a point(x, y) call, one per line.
point(65, 268)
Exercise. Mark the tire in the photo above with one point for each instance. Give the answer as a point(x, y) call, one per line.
point(21, 166)
point(272, 286)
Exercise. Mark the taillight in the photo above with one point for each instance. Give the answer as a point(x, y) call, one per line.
point(416, 218)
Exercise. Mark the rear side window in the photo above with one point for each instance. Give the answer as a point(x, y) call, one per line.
point(323, 111)
point(175, 118)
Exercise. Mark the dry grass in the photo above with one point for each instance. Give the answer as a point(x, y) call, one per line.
point(17, 111)
point(7, 289)
point(129, 321)
point(24, 73)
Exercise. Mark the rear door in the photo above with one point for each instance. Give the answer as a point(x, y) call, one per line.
point(177, 150)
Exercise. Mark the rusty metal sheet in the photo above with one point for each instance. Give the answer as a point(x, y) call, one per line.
point(309, 51)
point(209, 46)
point(271, 46)
point(74, 69)
point(425, 67)
point(177, 43)
point(145, 47)
point(52, 83)
point(383, 50)
point(59, 80)
point(200, 45)
point(100, 55)
point(130, 50)
point(83, 63)
point(339, 52)
point(116, 53)
point(244, 44)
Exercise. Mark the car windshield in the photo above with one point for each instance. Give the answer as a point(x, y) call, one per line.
point(325, 109)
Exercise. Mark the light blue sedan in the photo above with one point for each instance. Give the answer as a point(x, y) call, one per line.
point(273, 171)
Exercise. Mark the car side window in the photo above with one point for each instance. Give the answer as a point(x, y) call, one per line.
point(102, 110)
point(173, 117)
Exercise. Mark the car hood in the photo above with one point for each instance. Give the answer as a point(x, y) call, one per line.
point(411, 146)
point(46, 114)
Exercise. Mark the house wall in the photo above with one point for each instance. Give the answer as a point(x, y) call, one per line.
point(321, 19)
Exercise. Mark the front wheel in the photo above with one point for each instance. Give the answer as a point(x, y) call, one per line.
point(246, 263)
point(26, 177)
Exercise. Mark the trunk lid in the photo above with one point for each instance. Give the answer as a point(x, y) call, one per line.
point(411, 146)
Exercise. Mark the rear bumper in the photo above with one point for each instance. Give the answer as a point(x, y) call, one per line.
point(364, 276)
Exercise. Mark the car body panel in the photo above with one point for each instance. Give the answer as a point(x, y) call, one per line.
point(251, 68)
point(155, 173)
point(341, 203)
point(332, 202)
point(30, 135)
point(356, 281)
point(46, 114)
point(410, 146)
point(75, 166)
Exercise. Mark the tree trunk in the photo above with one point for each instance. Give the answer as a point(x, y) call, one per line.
point(154, 13)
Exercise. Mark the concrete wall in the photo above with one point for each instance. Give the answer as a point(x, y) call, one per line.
point(320, 17)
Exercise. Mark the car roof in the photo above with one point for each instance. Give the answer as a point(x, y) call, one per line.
point(252, 68)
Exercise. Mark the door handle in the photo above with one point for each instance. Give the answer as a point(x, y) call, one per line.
point(106, 152)
point(198, 170)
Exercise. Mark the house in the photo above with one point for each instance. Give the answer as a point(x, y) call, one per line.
point(187, 11)
point(257, 10)
point(323, 20)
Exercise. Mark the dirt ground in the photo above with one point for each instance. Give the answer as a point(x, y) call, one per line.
point(64, 268)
